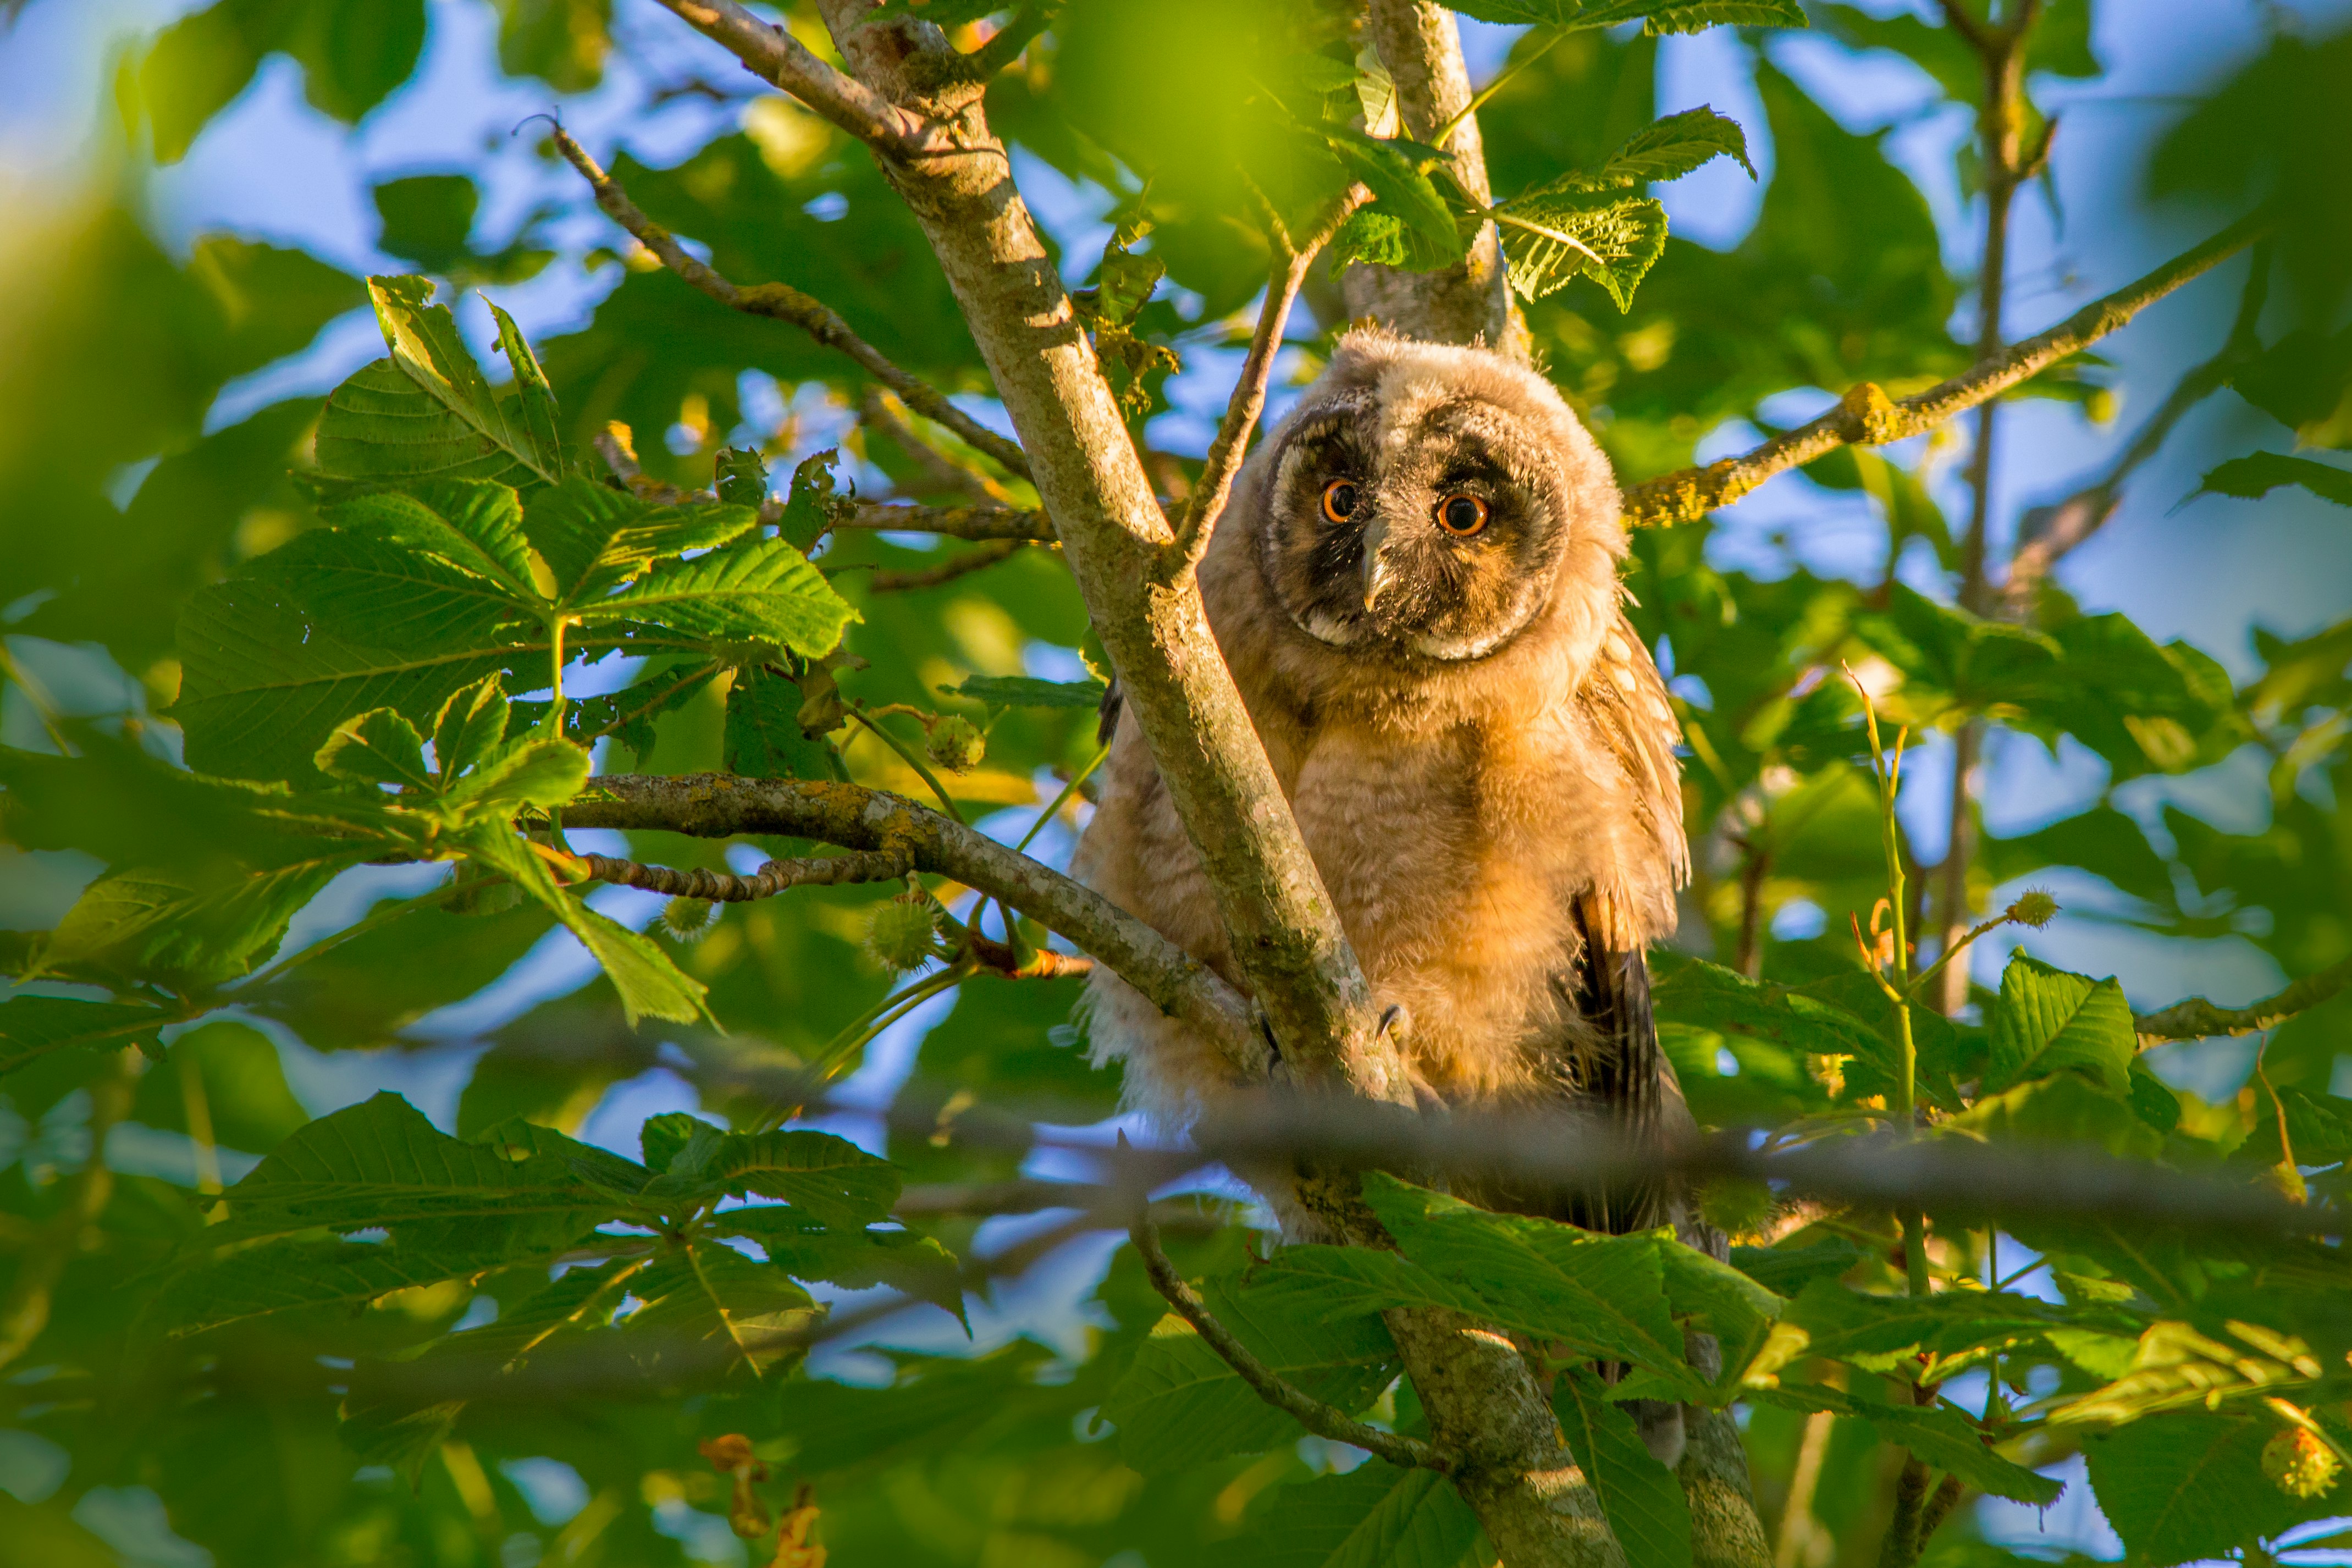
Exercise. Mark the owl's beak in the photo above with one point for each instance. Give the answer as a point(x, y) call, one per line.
point(1376, 571)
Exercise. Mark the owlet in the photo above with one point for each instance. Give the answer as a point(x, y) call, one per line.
point(1415, 586)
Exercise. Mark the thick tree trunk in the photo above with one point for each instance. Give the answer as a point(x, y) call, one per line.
point(1421, 46)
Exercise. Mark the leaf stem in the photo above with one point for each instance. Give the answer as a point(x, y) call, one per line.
point(1445, 133)
point(1888, 771)
point(912, 760)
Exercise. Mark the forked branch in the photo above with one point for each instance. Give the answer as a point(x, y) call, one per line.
point(1309, 1411)
point(976, 522)
point(1248, 400)
point(782, 302)
point(720, 806)
point(1867, 417)
point(773, 54)
point(2197, 1019)
point(726, 888)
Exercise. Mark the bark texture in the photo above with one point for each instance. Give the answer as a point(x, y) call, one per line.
point(1421, 45)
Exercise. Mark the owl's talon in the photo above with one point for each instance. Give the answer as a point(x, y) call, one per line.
point(1394, 1019)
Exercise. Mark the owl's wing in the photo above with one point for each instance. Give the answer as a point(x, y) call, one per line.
point(1625, 1076)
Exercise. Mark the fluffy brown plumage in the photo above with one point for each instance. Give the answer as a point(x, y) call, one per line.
point(1415, 586)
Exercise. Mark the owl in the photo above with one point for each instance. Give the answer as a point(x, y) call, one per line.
point(1415, 586)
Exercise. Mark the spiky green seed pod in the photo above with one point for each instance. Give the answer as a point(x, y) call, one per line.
point(690, 919)
point(2033, 908)
point(956, 745)
point(902, 932)
point(2299, 1464)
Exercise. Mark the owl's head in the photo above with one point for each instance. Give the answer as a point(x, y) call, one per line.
point(1429, 503)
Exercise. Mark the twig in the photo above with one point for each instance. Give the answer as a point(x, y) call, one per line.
point(1948, 1493)
point(906, 755)
point(975, 522)
point(1410, 1453)
point(1248, 400)
point(1867, 417)
point(725, 888)
point(1901, 1547)
point(782, 301)
point(948, 570)
point(942, 472)
point(2197, 1019)
point(773, 54)
point(25, 1309)
point(720, 806)
point(2046, 534)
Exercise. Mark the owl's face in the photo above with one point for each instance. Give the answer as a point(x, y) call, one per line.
point(1415, 524)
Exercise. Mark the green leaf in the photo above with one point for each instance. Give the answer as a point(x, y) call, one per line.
point(469, 524)
point(1604, 1295)
point(378, 747)
point(2188, 1485)
point(333, 624)
point(1641, 1498)
point(155, 925)
point(830, 1179)
point(231, 1072)
point(1692, 990)
point(290, 1276)
point(1375, 1516)
point(530, 771)
point(1334, 1282)
point(650, 984)
point(855, 1259)
point(535, 398)
point(1397, 173)
point(593, 538)
point(705, 1291)
point(1552, 235)
point(32, 1027)
point(764, 737)
point(468, 726)
point(2050, 1021)
point(426, 218)
point(427, 350)
point(1887, 1334)
point(2252, 477)
point(764, 591)
point(589, 1161)
point(1670, 148)
point(2304, 382)
point(381, 1163)
point(1717, 1299)
point(1181, 1404)
point(1940, 1436)
point(1023, 691)
point(2062, 1110)
point(1788, 1270)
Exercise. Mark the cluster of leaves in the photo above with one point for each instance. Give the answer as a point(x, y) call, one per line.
point(372, 618)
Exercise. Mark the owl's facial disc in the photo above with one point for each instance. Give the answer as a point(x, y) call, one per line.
point(1436, 536)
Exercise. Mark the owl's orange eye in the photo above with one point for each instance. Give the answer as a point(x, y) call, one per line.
point(1340, 500)
point(1462, 516)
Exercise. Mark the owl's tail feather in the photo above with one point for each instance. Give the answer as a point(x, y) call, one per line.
point(1627, 1079)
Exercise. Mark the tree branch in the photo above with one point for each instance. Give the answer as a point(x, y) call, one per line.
point(1866, 416)
point(1408, 1453)
point(975, 522)
point(1248, 400)
point(2046, 534)
point(782, 303)
point(25, 1309)
point(773, 54)
point(725, 888)
point(948, 570)
point(1421, 43)
point(2197, 1019)
point(720, 806)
